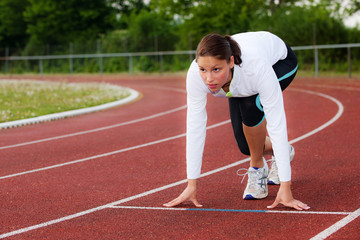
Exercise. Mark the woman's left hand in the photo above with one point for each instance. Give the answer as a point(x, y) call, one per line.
point(284, 196)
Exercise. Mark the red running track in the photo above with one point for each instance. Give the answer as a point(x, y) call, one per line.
point(106, 175)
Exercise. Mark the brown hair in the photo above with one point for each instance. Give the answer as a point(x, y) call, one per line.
point(220, 47)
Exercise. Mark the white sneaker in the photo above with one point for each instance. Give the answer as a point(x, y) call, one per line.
point(273, 174)
point(256, 187)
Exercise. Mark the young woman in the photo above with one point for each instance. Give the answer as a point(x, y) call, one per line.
point(251, 69)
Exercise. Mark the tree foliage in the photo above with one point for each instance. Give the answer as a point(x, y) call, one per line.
point(12, 24)
point(311, 26)
point(153, 25)
point(224, 17)
point(149, 32)
point(60, 21)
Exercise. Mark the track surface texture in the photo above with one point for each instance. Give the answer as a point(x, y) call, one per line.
point(105, 175)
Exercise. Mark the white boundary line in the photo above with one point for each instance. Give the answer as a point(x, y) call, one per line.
point(335, 118)
point(106, 127)
point(338, 225)
point(228, 210)
point(95, 129)
point(341, 109)
point(79, 214)
point(49, 117)
point(332, 87)
point(106, 154)
point(69, 217)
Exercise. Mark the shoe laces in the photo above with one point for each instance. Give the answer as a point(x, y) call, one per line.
point(252, 176)
point(273, 166)
point(242, 174)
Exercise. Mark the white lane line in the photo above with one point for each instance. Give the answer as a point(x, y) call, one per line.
point(229, 210)
point(96, 129)
point(337, 226)
point(338, 114)
point(79, 214)
point(106, 154)
point(335, 118)
point(150, 208)
point(110, 126)
point(309, 212)
point(331, 87)
point(69, 217)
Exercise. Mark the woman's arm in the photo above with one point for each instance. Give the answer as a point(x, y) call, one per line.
point(196, 120)
point(195, 134)
point(272, 101)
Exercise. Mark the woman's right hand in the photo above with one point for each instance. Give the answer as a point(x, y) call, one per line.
point(189, 194)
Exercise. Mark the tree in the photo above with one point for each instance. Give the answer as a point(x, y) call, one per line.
point(329, 30)
point(172, 10)
point(12, 25)
point(149, 32)
point(223, 17)
point(124, 8)
point(62, 21)
point(276, 4)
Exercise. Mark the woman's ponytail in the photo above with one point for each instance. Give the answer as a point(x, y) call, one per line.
point(235, 49)
point(221, 47)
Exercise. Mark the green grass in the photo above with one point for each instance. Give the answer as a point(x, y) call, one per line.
point(21, 99)
point(332, 74)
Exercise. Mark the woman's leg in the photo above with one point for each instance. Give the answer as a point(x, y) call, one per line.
point(237, 125)
point(258, 146)
point(268, 147)
point(250, 134)
point(254, 124)
point(256, 137)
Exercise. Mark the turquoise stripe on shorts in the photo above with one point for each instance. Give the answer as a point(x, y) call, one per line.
point(289, 74)
point(258, 104)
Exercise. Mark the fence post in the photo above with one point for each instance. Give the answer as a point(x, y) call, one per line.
point(130, 65)
point(41, 67)
point(190, 47)
point(100, 58)
point(316, 56)
point(161, 64)
point(349, 61)
point(7, 61)
point(71, 58)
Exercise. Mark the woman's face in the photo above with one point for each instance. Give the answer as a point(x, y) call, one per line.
point(215, 72)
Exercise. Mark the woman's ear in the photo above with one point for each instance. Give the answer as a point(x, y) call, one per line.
point(231, 62)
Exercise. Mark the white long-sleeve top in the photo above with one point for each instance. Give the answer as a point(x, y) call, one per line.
point(259, 52)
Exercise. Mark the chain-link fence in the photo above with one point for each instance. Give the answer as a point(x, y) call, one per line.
point(337, 57)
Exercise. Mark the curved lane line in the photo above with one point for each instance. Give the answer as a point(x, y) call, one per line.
point(339, 113)
point(155, 190)
point(95, 129)
point(106, 127)
point(106, 154)
point(336, 117)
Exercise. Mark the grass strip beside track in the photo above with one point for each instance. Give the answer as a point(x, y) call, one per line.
point(22, 99)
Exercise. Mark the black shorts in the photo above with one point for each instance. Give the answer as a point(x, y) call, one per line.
point(248, 110)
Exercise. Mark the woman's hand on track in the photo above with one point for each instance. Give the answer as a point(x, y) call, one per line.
point(189, 194)
point(284, 196)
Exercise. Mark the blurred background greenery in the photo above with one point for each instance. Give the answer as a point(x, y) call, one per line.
point(61, 27)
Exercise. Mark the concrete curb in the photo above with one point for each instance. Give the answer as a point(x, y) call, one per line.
point(133, 95)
